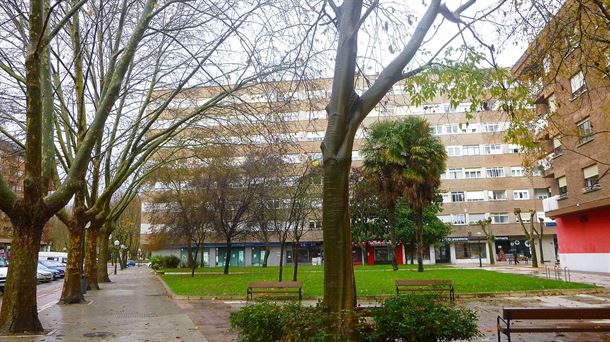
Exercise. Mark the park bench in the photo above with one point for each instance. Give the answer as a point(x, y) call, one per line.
point(275, 287)
point(432, 285)
point(572, 320)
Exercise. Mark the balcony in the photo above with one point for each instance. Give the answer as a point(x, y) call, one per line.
point(551, 203)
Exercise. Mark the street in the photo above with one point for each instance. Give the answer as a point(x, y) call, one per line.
point(48, 294)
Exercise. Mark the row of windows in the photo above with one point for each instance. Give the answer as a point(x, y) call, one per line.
point(476, 150)
point(496, 218)
point(469, 128)
point(483, 172)
point(493, 195)
point(590, 177)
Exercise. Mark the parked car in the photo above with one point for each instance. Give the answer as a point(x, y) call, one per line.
point(3, 272)
point(130, 263)
point(43, 276)
point(55, 256)
point(54, 273)
point(54, 265)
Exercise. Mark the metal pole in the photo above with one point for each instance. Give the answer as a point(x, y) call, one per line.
point(115, 261)
point(480, 261)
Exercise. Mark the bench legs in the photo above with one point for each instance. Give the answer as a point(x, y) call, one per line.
point(499, 327)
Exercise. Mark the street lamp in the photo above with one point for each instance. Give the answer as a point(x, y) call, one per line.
point(116, 247)
point(479, 238)
point(122, 256)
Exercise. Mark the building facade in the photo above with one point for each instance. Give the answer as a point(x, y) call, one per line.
point(570, 65)
point(484, 177)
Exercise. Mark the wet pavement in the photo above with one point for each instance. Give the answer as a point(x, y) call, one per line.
point(132, 308)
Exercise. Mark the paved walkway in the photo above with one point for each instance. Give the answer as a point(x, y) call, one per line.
point(599, 279)
point(132, 308)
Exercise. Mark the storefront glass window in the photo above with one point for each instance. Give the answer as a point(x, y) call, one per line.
point(469, 250)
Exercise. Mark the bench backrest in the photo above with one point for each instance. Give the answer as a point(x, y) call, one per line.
point(557, 313)
point(276, 284)
point(422, 282)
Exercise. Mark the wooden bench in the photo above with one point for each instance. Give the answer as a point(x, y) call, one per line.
point(275, 287)
point(432, 285)
point(575, 315)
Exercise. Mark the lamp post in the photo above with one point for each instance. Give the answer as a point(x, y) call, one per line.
point(116, 247)
point(140, 257)
point(122, 256)
point(479, 240)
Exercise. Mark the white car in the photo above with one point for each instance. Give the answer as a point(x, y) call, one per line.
point(44, 276)
point(3, 272)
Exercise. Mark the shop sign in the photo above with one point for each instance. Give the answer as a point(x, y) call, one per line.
point(456, 238)
point(501, 238)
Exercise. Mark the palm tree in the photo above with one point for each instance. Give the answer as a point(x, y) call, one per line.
point(408, 162)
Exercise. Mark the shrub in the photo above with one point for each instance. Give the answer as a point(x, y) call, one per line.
point(156, 262)
point(290, 322)
point(171, 261)
point(422, 318)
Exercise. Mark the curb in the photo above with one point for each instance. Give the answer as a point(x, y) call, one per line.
point(168, 292)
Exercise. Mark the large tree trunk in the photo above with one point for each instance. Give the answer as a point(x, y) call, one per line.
point(339, 293)
point(91, 257)
point(266, 256)
point(194, 261)
point(19, 308)
point(228, 257)
point(102, 270)
point(412, 254)
point(281, 271)
point(71, 292)
point(420, 242)
point(492, 251)
point(295, 258)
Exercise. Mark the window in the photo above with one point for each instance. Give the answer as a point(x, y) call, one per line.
point(451, 129)
point(436, 129)
point(557, 149)
point(492, 149)
point(454, 151)
point(563, 187)
point(497, 195)
point(541, 193)
point(471, 150)
point(446, 197)
point(467, 250)
point(494, 172)
point(577, 82)
point(585, 131)
point(546, 64)
point(445, 218)
point(519, 195)
point(517, 171)
point(458, 219)
point(315, 224)
point(475, 196)
point(499, 218)
point(512, 148)
point(474, 218)
point(455, 174)
point(457, 196)
point(590, 174)
point(524, 217)
point(491, 127)
point(472, 173)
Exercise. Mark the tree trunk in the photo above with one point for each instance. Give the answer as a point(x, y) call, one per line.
point(364, 251)
point(194, 261)
point(19, 308)
point(532, 242)
point(228, 257)
point(71, 292)
point(266, 256)
point(102, 270)
point(420, 242)
point(492, 251)
point(412, 252)
point(282, 247)
point(295, 258)
point(339, 280)
point(540, 235)
point(91, 257)
point(392, 226)
point(189, 255)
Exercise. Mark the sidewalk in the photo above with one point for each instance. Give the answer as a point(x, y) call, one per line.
point(132, 308)
point(594, 278)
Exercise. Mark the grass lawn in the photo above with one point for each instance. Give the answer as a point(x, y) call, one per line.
point(370, 280)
